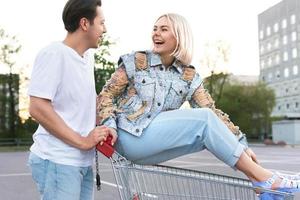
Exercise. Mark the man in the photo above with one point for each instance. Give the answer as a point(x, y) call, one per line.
point(63, 102)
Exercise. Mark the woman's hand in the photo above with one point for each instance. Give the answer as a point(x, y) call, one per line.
point(114, 135)
point(251, 154)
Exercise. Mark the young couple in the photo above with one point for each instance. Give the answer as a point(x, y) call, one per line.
point(138, 107)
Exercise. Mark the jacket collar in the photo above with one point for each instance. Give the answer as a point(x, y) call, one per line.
point(156, 61)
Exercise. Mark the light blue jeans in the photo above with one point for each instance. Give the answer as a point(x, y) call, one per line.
point(61, 182)
point(175, 133)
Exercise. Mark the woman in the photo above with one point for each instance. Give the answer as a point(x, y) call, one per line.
point(140, 105)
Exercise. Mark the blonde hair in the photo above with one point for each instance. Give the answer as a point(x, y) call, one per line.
point(184, 37)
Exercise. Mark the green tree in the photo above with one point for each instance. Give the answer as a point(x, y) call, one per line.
point(250, 107)
point(9, 48)
point(29, 126)
point(215, 84)
point(103, 67)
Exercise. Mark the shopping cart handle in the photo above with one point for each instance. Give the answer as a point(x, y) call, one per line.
point(106, 148)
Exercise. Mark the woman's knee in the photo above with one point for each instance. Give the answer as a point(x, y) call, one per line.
point(204, 113)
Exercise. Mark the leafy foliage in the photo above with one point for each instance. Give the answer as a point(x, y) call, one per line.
point(249, 106)
point(9, 47)
point(103, 67)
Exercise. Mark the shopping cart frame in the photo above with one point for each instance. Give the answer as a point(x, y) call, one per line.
point(150, 182)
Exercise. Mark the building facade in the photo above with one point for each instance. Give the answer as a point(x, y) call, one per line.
point(279, 53)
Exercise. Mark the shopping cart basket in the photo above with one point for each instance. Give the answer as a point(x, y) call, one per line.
point(151, 182)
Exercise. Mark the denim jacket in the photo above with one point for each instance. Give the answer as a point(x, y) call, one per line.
point(142, 87)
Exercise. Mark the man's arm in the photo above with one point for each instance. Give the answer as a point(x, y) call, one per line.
point(42, 111)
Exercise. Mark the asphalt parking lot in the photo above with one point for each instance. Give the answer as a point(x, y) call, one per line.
point(16, 182)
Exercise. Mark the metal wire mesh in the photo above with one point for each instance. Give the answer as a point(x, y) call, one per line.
point(148, 182)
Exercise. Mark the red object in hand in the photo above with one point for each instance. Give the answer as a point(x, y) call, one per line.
point(106, 148)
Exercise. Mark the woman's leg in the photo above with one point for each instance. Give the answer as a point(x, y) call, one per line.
point(251, 169)
point(257, 173)
point(179, 132)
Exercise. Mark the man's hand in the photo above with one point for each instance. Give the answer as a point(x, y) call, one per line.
point(252, 155)
point(97, 135)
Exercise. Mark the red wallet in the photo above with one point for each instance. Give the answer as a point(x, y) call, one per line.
point(106, 148)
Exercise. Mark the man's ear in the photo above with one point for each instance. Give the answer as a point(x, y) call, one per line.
point(84, 24)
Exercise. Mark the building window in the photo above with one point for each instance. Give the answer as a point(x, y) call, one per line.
point(275, 27)
point(296, 105)
point(261, 34)
point(277, 59)
point(262, 64)
point(279, 107)
point(286, 72)
point(270, 76)
point(285, 56)
point(283, 24)
point(268, 30)
point(287, 106)
point(270, 62)
point(295, 69)
point(294, 53)
point(262, 49)
point(278, 74)
point(269, 46)
point(293, 19)
point(284, 40)
point(294, 36)
point(276, 43)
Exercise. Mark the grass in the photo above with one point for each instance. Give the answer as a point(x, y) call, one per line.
point(14, 148)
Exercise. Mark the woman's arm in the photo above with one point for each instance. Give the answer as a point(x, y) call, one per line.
point(112, 89)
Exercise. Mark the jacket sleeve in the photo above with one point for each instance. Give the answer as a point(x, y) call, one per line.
point(201, 98)
point(106, 110)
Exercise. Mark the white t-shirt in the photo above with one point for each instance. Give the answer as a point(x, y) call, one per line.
point(61, 75)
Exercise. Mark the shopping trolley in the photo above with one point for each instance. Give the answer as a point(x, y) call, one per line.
point(158, 182)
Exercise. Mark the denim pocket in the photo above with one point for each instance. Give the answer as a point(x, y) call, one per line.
point(34, 159)
point(145, 87)
point(38, 168)
point(176, 96)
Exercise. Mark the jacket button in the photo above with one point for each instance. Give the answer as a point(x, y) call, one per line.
point(161, 68)
point(137, 130)
point(180, 91)
point(149, 116)
point(143, 81)
point(158, 104)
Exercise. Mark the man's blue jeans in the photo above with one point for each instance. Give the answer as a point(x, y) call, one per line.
point(61, 182)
